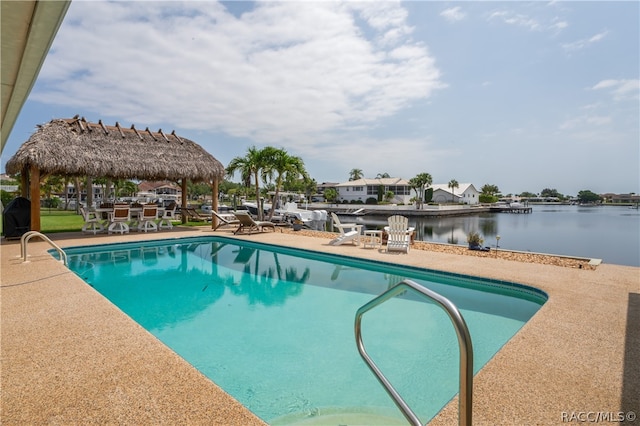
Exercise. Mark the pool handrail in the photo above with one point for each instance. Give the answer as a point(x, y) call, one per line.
point(30, 234)
point(464, 342)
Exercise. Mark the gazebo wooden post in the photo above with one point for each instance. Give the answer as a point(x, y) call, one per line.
point(214, 203)
point(24, 180)
point(89, 192)
point(34, 189)
point(184, 200)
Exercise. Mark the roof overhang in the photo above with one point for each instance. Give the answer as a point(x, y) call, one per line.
point(27, 32)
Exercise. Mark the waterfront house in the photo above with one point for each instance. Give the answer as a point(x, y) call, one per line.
point(621, 198)
point(163, 190)
point(465, 193)
point(361, 190)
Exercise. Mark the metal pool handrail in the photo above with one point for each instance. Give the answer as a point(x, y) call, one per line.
point(464, 343)
point(27, 236)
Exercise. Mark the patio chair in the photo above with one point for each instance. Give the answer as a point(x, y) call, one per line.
point(168, 215)
point(92, 222)
point(399, 234)
point(349, 232)
point(249, 226)
point(119, 219)
point(223, 221)
point(148, 218)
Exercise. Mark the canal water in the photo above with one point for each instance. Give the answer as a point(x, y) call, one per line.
point(610, 233)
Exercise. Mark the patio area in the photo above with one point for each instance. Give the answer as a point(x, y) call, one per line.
point(71, 357)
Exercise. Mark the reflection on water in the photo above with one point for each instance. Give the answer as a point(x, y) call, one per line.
point(605, 232)
point(152, 273)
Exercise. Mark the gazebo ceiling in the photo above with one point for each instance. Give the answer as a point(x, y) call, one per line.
point(75, 147)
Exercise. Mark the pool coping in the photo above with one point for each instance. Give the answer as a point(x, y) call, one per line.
point(574, 356)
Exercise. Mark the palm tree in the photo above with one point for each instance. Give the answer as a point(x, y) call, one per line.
point(249, 166)
point(278, 161)
point(382, 175)
point(453, 184)
point(388, 196)
point(126, 188)
point(50, 185)
point(355, 174)
point(419, 183)
point(331, 195)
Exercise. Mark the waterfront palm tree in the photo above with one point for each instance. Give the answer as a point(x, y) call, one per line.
point(355, 174)
point(419, 183)
point(453, 184)
point(489, 193)
point(388, 196)
point(331, 195)
point(277, 161)
point(249, 167)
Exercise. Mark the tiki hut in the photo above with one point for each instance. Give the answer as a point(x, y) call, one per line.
point(75, 147)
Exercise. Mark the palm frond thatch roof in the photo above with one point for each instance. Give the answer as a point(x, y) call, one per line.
point(75, 147)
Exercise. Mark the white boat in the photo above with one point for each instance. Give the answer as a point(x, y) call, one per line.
point(291, 211)
point(312, 219)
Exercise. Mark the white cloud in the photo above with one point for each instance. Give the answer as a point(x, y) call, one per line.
point(516, 19)
point(620, 89)
point(453, 14)
point(281, 73)
point(585, 42)
point(559, 25)
point(584, 121)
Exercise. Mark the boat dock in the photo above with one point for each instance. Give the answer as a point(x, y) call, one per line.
point(432, 211)
point(428, 211)
point(519, 209)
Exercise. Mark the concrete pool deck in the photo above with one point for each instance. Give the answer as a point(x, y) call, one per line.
point(68, 356)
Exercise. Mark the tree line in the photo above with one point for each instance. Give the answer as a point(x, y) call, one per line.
point(278, 171)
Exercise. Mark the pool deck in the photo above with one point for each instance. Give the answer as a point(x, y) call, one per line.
point(68, 356)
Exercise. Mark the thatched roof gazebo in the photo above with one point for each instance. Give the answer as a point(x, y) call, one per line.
point(75, 147)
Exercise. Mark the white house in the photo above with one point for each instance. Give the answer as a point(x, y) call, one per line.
point(465, 193)
point(363, 189)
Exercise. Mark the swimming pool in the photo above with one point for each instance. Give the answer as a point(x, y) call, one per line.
point(273, 326)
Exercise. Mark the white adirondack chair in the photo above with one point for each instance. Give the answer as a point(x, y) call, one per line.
point(349, 232)
point(399, 234)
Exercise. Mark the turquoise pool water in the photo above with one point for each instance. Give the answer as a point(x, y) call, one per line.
point(274, 326)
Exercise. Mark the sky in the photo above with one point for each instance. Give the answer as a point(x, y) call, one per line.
point(522, 95)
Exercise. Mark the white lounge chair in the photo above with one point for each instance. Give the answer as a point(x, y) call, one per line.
point(399, 234)
point(349, 232)
point(92, 222)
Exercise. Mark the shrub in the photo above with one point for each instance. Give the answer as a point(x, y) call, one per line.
point(371, 200)
point(474, 239)
point(6, 197)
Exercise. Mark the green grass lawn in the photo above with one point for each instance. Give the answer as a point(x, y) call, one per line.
point(53, 220)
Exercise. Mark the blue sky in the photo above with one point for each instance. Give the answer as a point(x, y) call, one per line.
point(522, 95)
